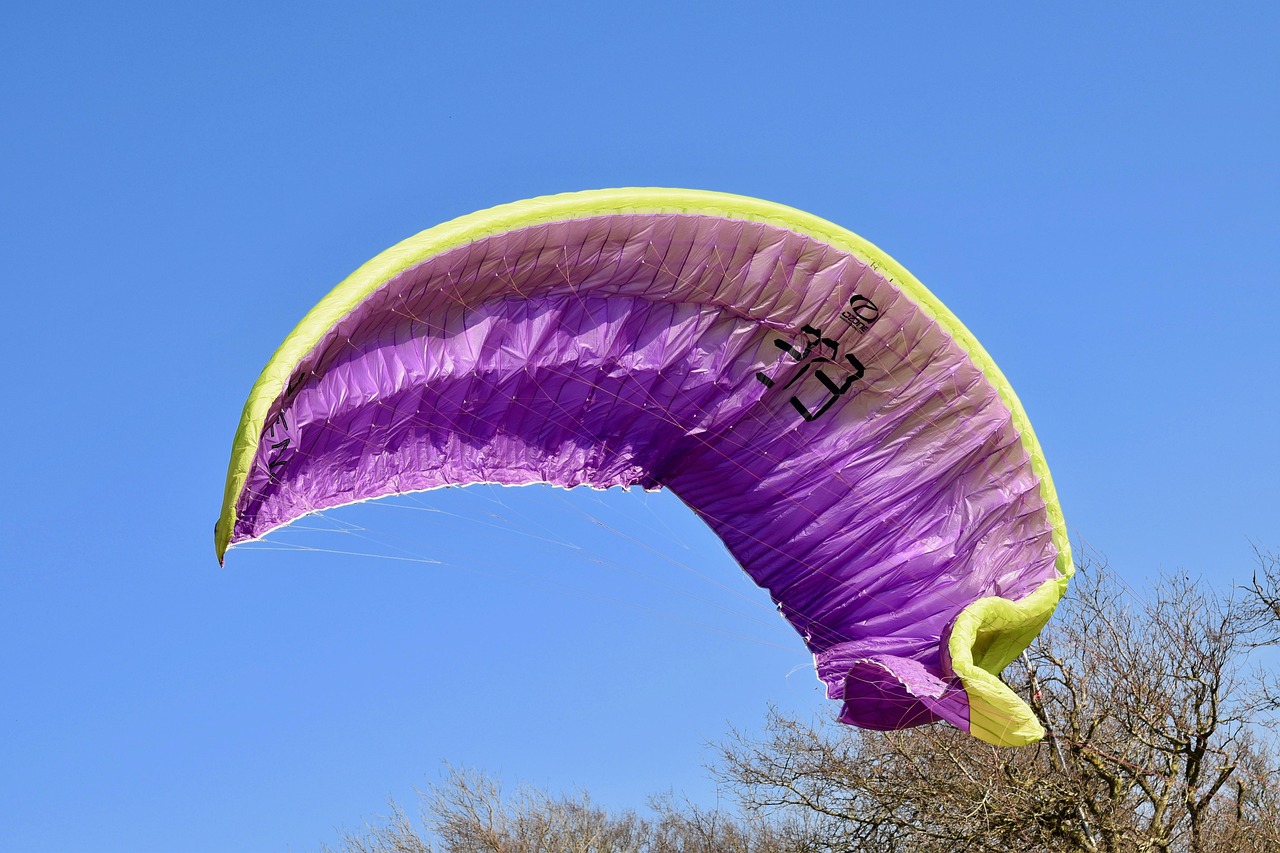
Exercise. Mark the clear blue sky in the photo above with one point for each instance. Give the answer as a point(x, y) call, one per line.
point(1093, 190)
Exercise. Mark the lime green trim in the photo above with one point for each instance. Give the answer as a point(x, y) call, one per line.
point(985, 636)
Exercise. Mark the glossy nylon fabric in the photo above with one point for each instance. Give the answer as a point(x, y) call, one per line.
point(855, 459)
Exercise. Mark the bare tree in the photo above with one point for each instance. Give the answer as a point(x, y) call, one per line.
point(1264, 600)
point(1156, 718)
point(1156, 741)
point(1266, 587)
point(468, 812)
point(1264, 597)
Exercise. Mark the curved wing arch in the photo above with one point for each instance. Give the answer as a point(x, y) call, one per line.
point(856, 449)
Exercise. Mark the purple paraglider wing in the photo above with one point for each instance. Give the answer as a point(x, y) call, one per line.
point(851, 443)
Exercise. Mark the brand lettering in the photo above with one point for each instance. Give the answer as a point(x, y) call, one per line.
point(860, 313)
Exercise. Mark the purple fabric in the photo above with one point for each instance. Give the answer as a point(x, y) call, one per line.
point(853, 459)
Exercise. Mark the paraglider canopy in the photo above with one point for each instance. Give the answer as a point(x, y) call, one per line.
point(852, 444)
